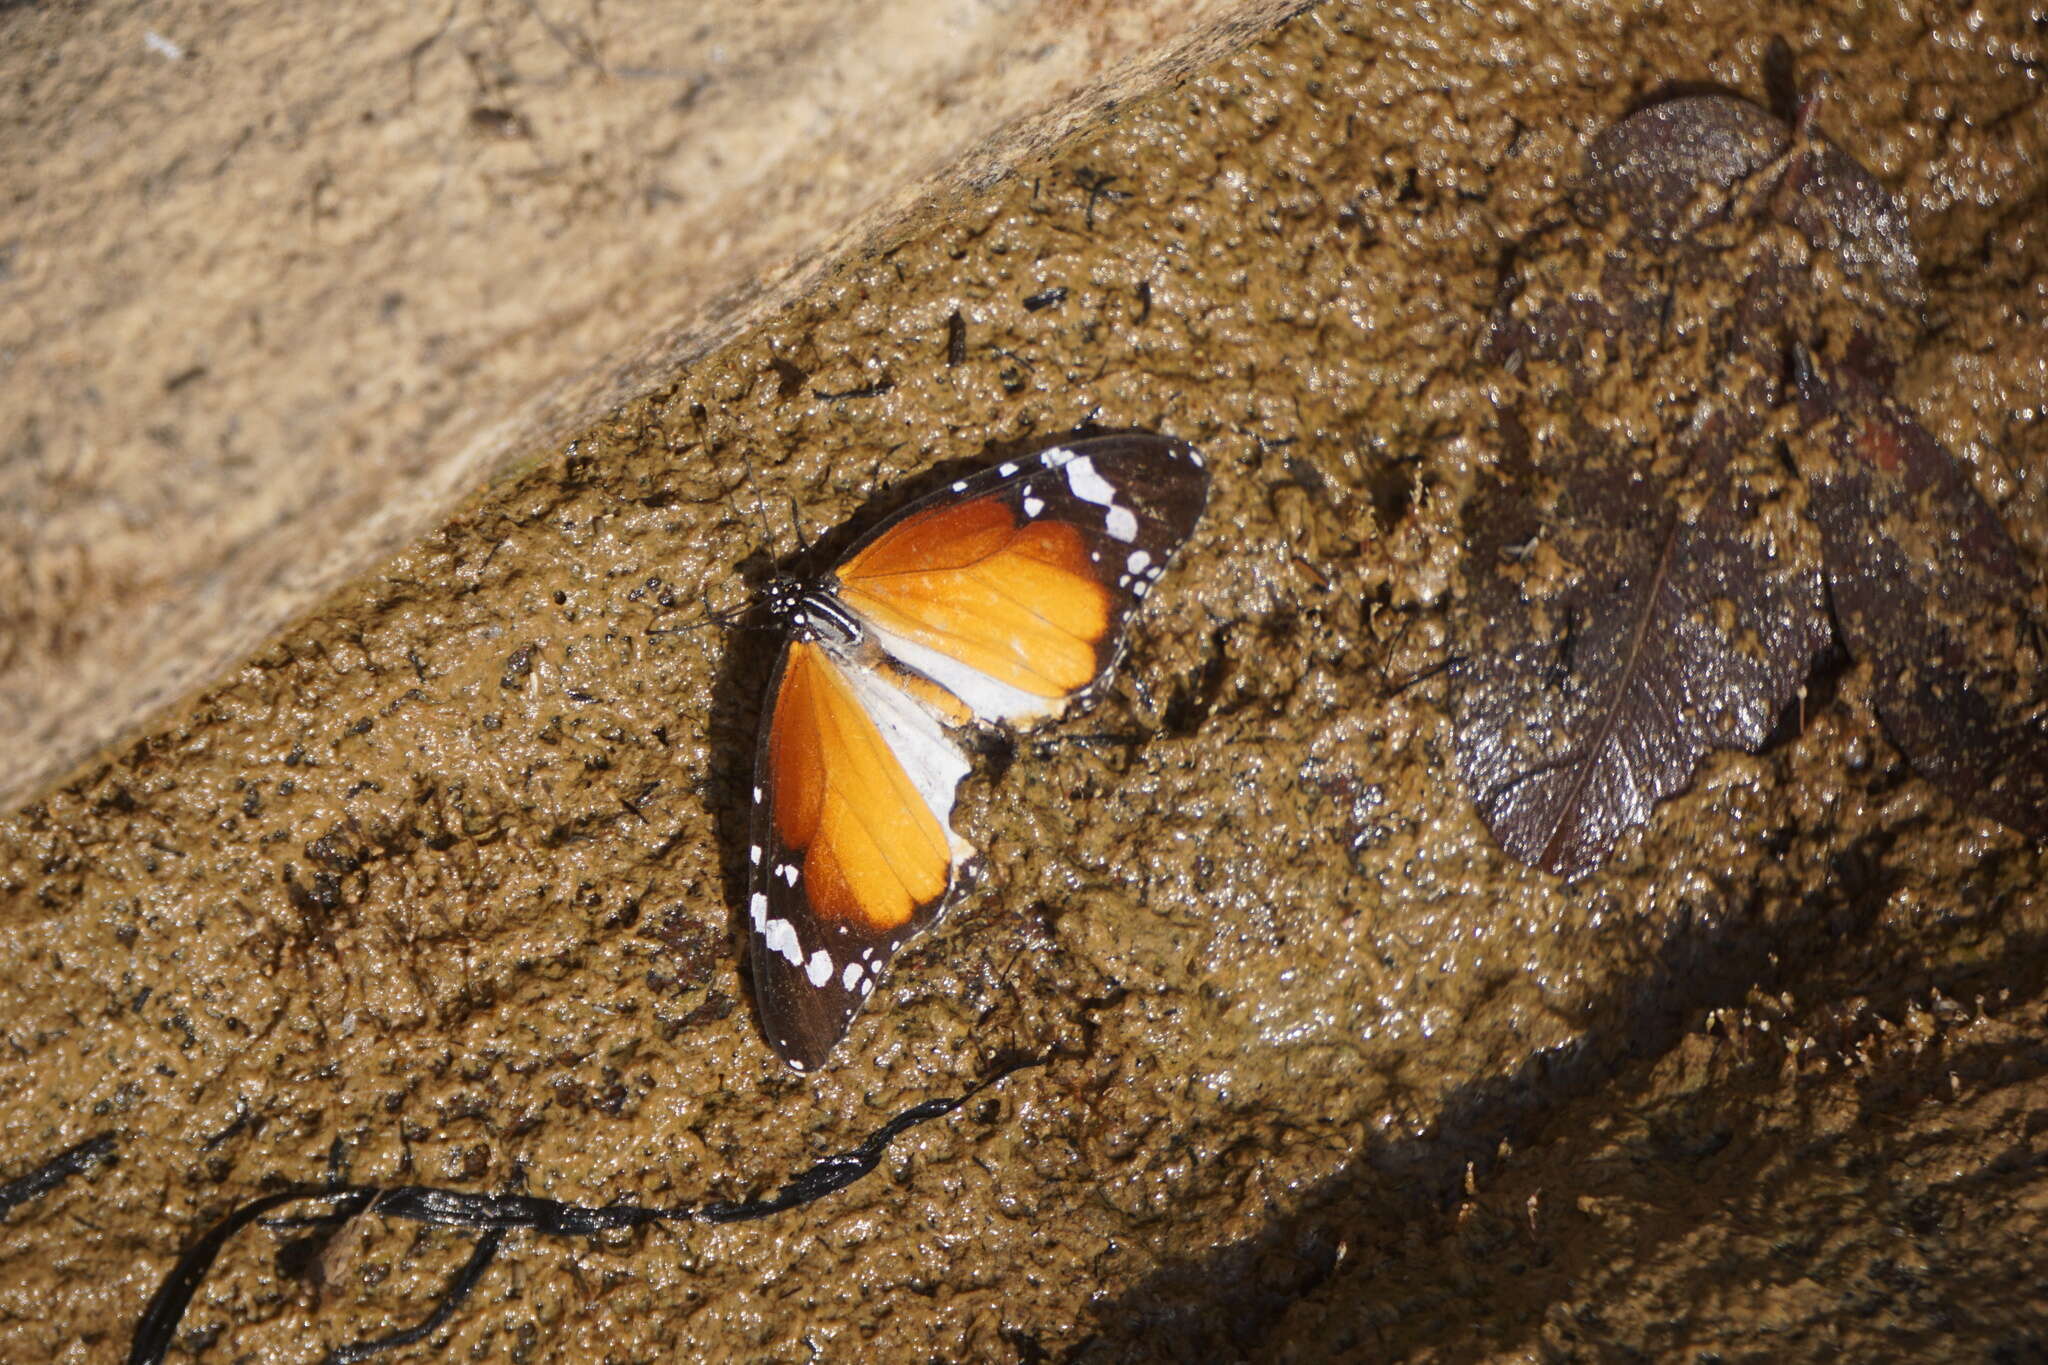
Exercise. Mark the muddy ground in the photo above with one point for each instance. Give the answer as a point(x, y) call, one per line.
point(440, 885)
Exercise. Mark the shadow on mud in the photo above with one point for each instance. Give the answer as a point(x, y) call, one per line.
point(1389, 1250)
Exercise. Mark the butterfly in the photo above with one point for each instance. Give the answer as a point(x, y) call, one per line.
point(1000, 600)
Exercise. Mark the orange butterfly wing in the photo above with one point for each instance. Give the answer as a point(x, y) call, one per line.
point(873, 850)
point(1001, 599)
point(1018, 602)
point(850, 853)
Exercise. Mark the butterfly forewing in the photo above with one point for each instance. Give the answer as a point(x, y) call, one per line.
point(1003, 598)
point(1012, 589)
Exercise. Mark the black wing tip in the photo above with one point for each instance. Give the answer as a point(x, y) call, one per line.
point(1090, 440)
point(1179, 493)
point(791, 1021)
point(801, 1055)
point(804, 1045)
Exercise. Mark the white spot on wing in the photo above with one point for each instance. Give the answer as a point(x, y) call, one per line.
point(1006, 469)
point(1137, 562)
point(1057, 456)
point(754, 854)
point(1088, 485)
point(759, 907)
point(820, 970)
point(780, 936)
point(1033, 506)
point(851, 978)
point(788, 873)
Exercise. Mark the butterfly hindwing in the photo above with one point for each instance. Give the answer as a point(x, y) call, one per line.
point(1003, 598)
point(851, 853)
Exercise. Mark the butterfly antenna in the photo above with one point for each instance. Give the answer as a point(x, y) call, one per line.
point(762, 532)
point(767, 532)
point(796, 524)
point(730, 616)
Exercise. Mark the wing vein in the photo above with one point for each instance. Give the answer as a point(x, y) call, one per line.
point(1030, 610)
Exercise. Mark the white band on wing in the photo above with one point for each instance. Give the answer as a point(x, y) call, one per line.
point(989, 698)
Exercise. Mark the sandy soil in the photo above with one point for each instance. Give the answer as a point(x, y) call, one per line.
point(440, 884)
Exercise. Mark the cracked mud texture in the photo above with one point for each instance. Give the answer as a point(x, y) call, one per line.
point(441, 884)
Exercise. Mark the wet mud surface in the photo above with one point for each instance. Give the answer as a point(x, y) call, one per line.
point(441, 885)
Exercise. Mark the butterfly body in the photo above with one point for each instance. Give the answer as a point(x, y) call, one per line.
point(1001, 600)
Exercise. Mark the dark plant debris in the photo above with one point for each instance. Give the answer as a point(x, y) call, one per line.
point(1929, 590)
point(1696, 459)
point(71, 1161)
point(493, 1215)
